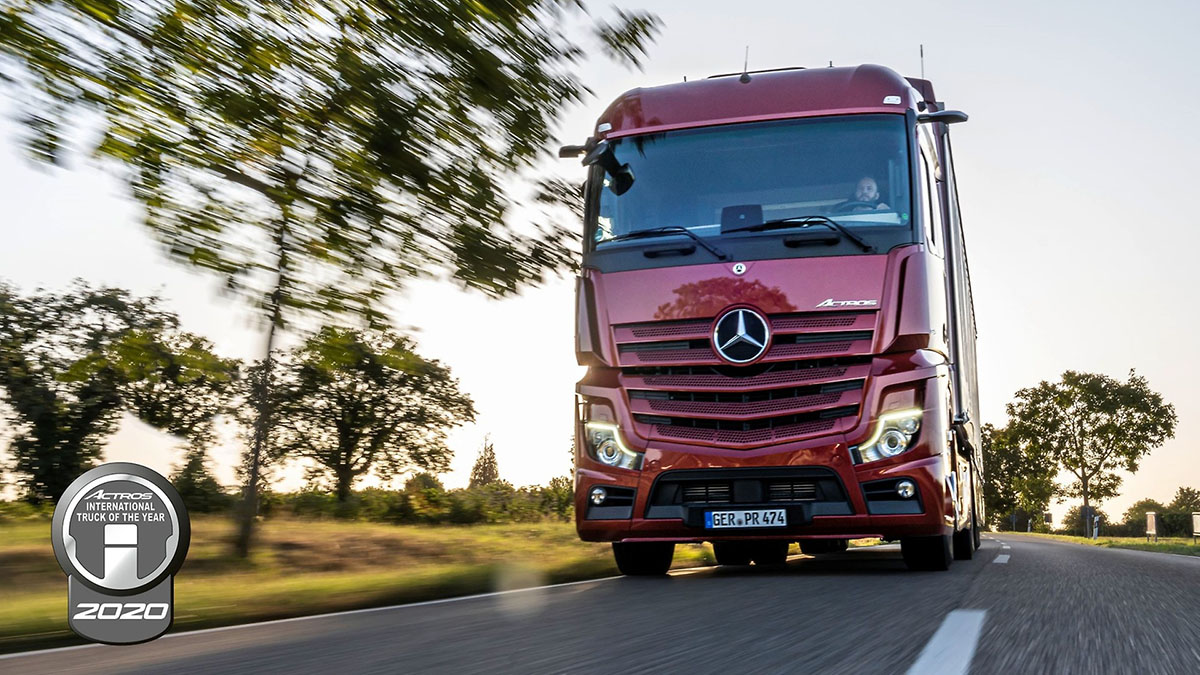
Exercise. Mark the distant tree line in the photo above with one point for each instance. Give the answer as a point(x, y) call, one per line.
point(423, 500)
point(1088, 426)
point(1175, 517)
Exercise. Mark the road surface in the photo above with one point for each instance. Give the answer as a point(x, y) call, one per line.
point(1024, 605)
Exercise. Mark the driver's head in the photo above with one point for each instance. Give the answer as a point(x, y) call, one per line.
point(867, 190)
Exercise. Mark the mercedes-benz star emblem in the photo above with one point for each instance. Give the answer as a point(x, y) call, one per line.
point(741, 335)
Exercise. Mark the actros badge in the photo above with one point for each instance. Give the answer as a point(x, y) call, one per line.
point(120, 534)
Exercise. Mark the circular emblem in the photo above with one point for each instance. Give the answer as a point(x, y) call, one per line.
point(741, 335)
point(739, 268)
point(120, 528)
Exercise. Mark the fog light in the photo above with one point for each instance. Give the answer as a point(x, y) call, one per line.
point(598, 495)
point(906, 489)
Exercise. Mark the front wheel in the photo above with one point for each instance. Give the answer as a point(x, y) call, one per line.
point(927, 553)
point(643, 558)
point(964, 542)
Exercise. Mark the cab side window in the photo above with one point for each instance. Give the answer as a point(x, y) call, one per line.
point(931, 201)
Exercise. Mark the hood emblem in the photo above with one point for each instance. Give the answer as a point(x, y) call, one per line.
point(830, 302)
point(741, 335)
point(739, 269)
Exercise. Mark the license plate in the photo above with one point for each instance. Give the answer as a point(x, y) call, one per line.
point(715, 520)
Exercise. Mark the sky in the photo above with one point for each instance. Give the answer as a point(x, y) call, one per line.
point(1076, 173)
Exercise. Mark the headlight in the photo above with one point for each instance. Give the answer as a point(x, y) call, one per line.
point(894, 433)
point(605, 445)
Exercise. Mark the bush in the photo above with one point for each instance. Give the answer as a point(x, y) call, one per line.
point(11, 512)
point(200, 491)
point(424, 500)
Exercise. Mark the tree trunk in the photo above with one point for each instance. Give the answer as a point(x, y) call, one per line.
point(345, 480)
point(262, 426)
point(1087, 513)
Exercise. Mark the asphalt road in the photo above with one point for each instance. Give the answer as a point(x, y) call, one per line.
point(1024, 605)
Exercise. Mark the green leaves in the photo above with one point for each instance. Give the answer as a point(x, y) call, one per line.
point(358, 402)
point(71, 363)
point(317, 155)
point(1092, 426)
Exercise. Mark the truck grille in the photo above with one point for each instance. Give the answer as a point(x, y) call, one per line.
point(810, 382)
point(677, 490)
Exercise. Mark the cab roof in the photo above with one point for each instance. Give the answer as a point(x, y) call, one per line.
point(768, 95)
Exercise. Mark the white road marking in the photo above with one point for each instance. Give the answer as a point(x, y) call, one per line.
point(1006, 546)
point(1002, 558)
point(950, 650)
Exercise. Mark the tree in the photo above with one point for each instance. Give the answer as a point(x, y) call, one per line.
point(1187, 500)
point(200, 491)
point(357, 402)
point(558, 497)
point(317, 155)
point(1017, 477)
point(1074, 520)
point(71, 363)
point(485, 471)
point(1136, 514)
point(1093, 426)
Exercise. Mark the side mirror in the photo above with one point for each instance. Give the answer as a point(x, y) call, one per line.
point(569, 151)
point(621, 174)
point(944, 116)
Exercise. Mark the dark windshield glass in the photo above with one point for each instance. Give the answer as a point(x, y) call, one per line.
point(852, 169)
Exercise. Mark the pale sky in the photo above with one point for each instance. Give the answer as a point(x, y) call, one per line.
point(1075, 173)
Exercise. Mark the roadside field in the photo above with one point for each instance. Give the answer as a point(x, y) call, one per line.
point(308, 567)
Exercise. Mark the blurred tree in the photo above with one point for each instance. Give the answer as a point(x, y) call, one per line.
point(316, 155)
point(485, 471)
point(423, 481)
point(1093, 426)
point(1018, 477)
point(558, 497)
point(176, 383)
point(1187, 500)
point(197, 486)
point(358, 402)
point(71, 363)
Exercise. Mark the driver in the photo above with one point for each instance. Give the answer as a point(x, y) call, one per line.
point(866, 197)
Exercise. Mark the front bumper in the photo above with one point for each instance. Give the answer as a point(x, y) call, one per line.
point(830, 497)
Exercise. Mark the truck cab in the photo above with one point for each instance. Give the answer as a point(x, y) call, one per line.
point(775, 311)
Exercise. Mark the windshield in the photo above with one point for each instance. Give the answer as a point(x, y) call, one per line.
point(853, 170)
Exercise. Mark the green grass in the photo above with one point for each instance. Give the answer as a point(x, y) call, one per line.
point(302, 567)
point(1178, 545)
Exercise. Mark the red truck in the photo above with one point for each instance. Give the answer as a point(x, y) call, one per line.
point(775, 312)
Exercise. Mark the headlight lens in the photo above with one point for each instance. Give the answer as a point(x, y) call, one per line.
point(894, 433)
point(605, 445)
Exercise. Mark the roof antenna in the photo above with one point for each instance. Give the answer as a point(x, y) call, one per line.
point(922, 61)
point(745, 78)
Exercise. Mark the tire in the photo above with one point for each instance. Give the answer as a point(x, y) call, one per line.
point(927, 553)
point(964, 542)
point(770, 553)
point(643, 558)
point(823, 546)
point(732, 552)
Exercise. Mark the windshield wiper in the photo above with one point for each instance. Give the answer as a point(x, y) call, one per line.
point(672, 229)
point(803, 221)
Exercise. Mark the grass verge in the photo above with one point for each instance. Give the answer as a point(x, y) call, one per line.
point(304, 567)
point(1177, 545)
